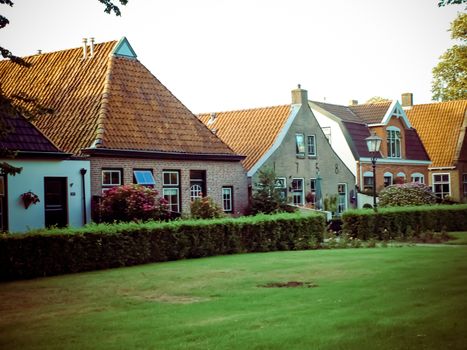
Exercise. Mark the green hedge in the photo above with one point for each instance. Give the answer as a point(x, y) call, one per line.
point(403, 222)
point(53, 252)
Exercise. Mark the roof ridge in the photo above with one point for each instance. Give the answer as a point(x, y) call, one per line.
point(440, 102)
point(247, 109)
point(66, 50)
point(103, 110)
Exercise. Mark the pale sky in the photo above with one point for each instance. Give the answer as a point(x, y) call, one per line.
point(219, 55)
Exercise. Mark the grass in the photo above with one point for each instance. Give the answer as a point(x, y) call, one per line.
point(412, 297)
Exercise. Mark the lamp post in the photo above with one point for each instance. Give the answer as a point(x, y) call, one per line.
point(373, 143)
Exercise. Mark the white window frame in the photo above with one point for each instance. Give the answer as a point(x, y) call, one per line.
point(227, 202)
point(417, 176)
point(394, 142)
point(281, 186)
point(368, 174)
point(108, 186)
point(442, 193)
point(169, 187)
point(313, 190)
point(296, 193)
point(388, 175)
point(196, 191)
point(311, 146)
point(300, 146)
point(342, 205)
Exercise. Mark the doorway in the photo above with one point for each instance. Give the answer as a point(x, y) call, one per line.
point(55, 201)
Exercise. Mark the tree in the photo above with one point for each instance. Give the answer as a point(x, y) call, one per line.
point(24, 105)
point(450, 75)
point(267, 198)
point(451, 2)
point(377, 99)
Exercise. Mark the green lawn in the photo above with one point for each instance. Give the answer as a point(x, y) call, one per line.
point(411, 297)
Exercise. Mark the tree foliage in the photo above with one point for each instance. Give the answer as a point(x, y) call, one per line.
point(450, 75)
point(266, 198)
point(451, 2)
point(377, 99)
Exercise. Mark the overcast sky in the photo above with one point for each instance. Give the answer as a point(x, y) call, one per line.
point(218, 55)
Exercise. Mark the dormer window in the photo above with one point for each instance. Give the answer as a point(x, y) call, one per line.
point(394, 142)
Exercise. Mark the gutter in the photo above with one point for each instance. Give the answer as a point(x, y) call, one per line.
point(162, 155)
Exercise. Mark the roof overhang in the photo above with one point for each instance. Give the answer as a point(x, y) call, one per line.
point(42, 155)
point(107, 152)
point(396, 110)
point(395, 161)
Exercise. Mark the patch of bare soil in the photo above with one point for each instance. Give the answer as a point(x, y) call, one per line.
point(290, 284)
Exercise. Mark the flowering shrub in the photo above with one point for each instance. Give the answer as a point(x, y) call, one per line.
point(205, 208)
point(133, 203)
point(406, 195)
point(29, 198)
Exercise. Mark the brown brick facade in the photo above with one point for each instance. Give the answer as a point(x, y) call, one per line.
point(218, 174)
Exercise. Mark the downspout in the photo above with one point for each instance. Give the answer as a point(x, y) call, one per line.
point(83, 172)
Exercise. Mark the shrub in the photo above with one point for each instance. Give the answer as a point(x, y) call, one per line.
point(205, 208)
point(408, 194)
point(59, 251)
point(404, 222)
point(132, 203)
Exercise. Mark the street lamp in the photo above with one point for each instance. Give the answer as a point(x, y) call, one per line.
point(373, 143)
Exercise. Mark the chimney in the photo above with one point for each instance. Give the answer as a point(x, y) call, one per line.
point(39, 52)
point(407, 100)
point(353, 102)
point(212, 118)
point(85, 42)
point(299, 96)
point(91, 48)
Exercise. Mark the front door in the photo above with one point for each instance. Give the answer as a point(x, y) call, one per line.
point(55, 201)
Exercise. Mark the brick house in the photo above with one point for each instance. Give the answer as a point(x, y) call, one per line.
point(107, 106)
point(442, 127)
point(60, 181)
point(287, 139)
point(402, 156)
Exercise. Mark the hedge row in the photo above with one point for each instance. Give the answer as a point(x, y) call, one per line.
point(404, 222)
point(106, 246)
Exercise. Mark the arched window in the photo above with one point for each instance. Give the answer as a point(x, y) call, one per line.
point(418, 177)
point(388, 179)
point(368, 180)
point(196, 191)
point(400, 178)
point(394, 142)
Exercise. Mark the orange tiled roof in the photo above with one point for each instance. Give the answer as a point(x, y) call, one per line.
point(371, 113)
point(113, 99)
point(250, 132)
point(439, 126)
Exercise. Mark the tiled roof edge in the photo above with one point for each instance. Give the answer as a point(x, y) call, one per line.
point(103, 111)
point(461, 138)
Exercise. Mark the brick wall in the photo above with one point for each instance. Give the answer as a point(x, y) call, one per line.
point(218, 174)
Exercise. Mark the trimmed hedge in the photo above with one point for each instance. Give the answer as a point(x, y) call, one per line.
point(404, 222)
point(94, 247)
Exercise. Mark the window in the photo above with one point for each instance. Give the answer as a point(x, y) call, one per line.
point(441, 185)
point(387, 179)
point(368, 181)
point(394, 142)
point(418, 177)
point(327, 132)
point(143, 177)
point(281, 187)
point(464, 185)
point(171, 189)
point(300, 145)
point(313, 192)
point(311, 146)
point(342, 200)
point(297, 191)
point(197, 184)
point(111, 178)
point(227, 199)
point(400, 178)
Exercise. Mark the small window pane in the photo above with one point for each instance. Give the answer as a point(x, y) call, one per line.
point(144, 177)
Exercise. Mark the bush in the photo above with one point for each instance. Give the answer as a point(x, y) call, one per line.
point(408, 194)
point(59, 251)
point(132, 203)
point(404, 222)
point(205, 208)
